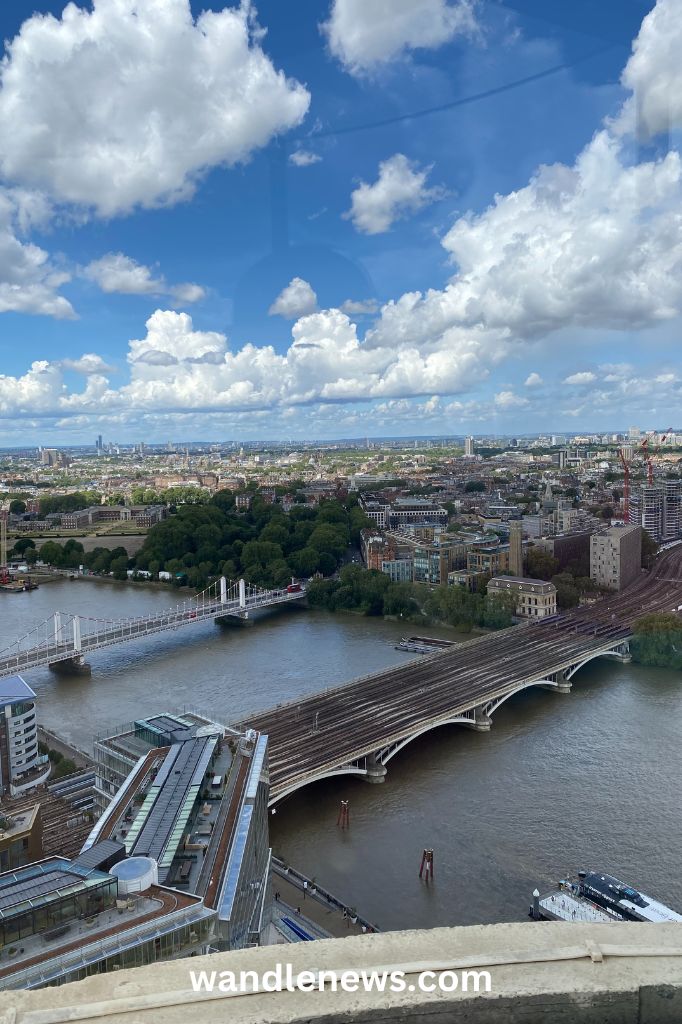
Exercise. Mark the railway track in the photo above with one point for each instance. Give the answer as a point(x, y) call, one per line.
point(319, 734)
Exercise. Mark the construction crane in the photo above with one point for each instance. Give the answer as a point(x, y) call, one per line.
point(626, 485)
point(3, 543)
point(649, 453)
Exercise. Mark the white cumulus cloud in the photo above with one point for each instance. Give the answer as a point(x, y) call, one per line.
point(127, 103)
point(304, 158)
point(116, 272)
point(508, 400)
point(88, 364)
point(533, 380)
point(584, 377)
point(654, 73)
point(297, 299)
point(399, 190)
point(29, 281)
point(361, 307)
point(364, 34)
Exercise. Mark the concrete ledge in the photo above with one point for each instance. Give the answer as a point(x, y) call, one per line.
point(563, 973)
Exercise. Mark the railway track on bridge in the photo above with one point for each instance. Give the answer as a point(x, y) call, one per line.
point(331, 732)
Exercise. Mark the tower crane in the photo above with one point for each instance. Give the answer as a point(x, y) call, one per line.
point(649, 452)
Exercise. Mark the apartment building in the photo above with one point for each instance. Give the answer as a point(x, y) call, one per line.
point(22, 767)
point(616, 556)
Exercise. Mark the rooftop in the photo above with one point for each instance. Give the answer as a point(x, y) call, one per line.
point(521, 579)
point(44, 882)
point(13, 688)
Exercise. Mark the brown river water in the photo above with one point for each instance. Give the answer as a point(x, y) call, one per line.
point(591, 779)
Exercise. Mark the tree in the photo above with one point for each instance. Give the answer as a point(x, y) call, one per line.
point(23, 544)
point(224, 500)
point(52, 553)
point(17, 507)
point(119, 567)
point(473, 486)
point(657, 640)
point(649, 549)
point(327, 563)
point(305, 562)
point(540, 565)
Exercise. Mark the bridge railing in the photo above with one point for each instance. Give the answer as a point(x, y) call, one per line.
point(65, 634)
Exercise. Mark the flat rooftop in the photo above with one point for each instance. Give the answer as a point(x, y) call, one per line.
point(48, 881)
point(84, 940)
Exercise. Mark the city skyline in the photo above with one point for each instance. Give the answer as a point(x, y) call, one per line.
point(498, 254)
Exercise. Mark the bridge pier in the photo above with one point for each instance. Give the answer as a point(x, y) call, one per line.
point(481, 722)
point(376, 771)
point(76, 666)
point(623, 655)
point(562, 685)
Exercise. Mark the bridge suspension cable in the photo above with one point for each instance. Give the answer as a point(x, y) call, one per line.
point(64, 635)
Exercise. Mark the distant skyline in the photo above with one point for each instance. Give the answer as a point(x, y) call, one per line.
point(266, 221)
point(355, 440)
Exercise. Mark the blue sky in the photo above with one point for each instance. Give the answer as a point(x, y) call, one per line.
point(220, 221)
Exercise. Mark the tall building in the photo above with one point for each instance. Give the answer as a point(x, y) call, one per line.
point(616, 556)
point(22, 767)
point(672, 510)
point(516, 548)
point(468, 446)
point(646, 510)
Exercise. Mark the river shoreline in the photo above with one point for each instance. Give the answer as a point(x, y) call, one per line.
point(561, 782)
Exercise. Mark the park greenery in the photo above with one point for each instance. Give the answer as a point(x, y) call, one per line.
point(263, 544)
point(657, 641)
point(370, 592)
point(202, 541)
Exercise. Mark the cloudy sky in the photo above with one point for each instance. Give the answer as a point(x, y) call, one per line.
point(338, 218)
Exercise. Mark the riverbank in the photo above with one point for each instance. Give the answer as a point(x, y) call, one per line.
point(554, 786)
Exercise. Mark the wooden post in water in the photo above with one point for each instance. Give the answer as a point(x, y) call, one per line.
point(343, 819)
point(426, 869)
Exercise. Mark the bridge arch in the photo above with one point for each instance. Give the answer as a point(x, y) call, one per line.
point(621, 650)
point(493, 705)
point(386, 754)
point(301, 783)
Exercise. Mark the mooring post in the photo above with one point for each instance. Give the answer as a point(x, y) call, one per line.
point(343, 819)
point(536, 905)
point(426, 869)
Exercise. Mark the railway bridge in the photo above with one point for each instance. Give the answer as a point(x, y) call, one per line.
point(357, 728)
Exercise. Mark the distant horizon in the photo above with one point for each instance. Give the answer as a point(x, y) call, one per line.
point(373, 438)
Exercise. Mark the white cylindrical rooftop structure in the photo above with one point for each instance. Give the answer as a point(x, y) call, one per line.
point(135, 874)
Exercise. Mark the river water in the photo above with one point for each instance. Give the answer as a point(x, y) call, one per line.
point(590, 779)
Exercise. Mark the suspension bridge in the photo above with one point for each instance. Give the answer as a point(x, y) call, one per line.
point(64, 639)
